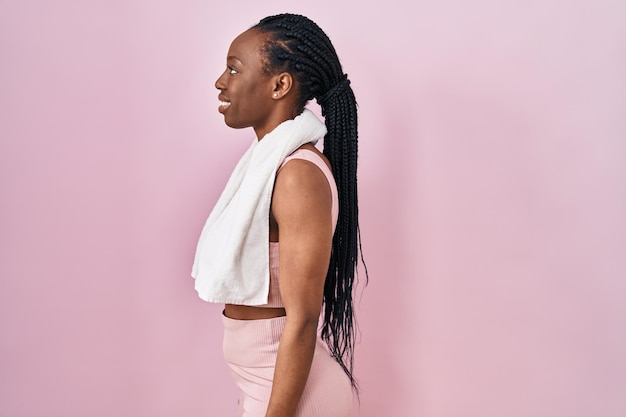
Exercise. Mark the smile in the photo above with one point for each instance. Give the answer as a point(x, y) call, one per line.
point(223, 106)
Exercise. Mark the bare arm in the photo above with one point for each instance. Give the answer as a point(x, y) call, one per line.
point(301, 205)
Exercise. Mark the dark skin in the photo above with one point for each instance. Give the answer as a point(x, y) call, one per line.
point(300, 217)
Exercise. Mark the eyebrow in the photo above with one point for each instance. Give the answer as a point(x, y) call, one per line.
point(233, 57)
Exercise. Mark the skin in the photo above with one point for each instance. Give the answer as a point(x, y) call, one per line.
point(300, 216)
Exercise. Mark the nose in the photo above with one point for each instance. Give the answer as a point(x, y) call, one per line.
point(220, 83)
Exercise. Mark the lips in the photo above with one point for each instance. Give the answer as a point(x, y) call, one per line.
point(224, 103)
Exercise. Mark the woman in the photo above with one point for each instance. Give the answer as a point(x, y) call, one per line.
point(305, 202)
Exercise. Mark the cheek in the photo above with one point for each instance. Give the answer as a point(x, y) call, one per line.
point(250, 97)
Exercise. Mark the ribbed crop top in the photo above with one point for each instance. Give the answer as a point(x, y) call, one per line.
point(274, 299)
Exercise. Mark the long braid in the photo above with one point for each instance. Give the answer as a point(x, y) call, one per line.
point(298, 45)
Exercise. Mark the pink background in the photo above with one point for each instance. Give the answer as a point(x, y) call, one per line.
point(493, 201)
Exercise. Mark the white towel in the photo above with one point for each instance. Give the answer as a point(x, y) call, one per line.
point(232, 258)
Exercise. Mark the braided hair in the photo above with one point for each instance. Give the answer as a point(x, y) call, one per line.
point(297, 45)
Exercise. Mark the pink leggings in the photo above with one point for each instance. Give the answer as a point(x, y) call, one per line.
point(250, 348)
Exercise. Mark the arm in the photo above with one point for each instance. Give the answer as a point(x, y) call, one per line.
point(301, 205)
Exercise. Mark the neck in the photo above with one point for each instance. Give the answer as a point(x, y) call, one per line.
point(274, 120)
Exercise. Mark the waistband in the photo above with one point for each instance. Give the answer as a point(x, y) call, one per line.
point(252, 343)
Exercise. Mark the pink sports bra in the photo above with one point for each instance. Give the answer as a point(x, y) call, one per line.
point(274, 299)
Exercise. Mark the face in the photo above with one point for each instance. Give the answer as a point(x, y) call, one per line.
point(245, 90)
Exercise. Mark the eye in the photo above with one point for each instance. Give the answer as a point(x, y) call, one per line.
point(232, 70)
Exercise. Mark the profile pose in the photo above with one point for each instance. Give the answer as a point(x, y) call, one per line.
point(282, 243)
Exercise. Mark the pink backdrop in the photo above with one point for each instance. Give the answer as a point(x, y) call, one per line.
point(493, 194)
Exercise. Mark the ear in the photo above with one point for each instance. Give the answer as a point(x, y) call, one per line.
point(282, 84)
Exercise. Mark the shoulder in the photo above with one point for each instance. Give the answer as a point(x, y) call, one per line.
point(302, 201)
point(312, 154)
point(305, 161)
point(300, 173)
point(301, 182)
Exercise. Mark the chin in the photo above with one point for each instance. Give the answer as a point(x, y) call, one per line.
point(234, 124)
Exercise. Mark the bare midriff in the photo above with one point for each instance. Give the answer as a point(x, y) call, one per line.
point(239, 312)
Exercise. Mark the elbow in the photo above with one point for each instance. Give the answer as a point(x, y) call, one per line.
point(302, 323)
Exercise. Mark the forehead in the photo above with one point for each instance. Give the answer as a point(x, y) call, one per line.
point(247, 46)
